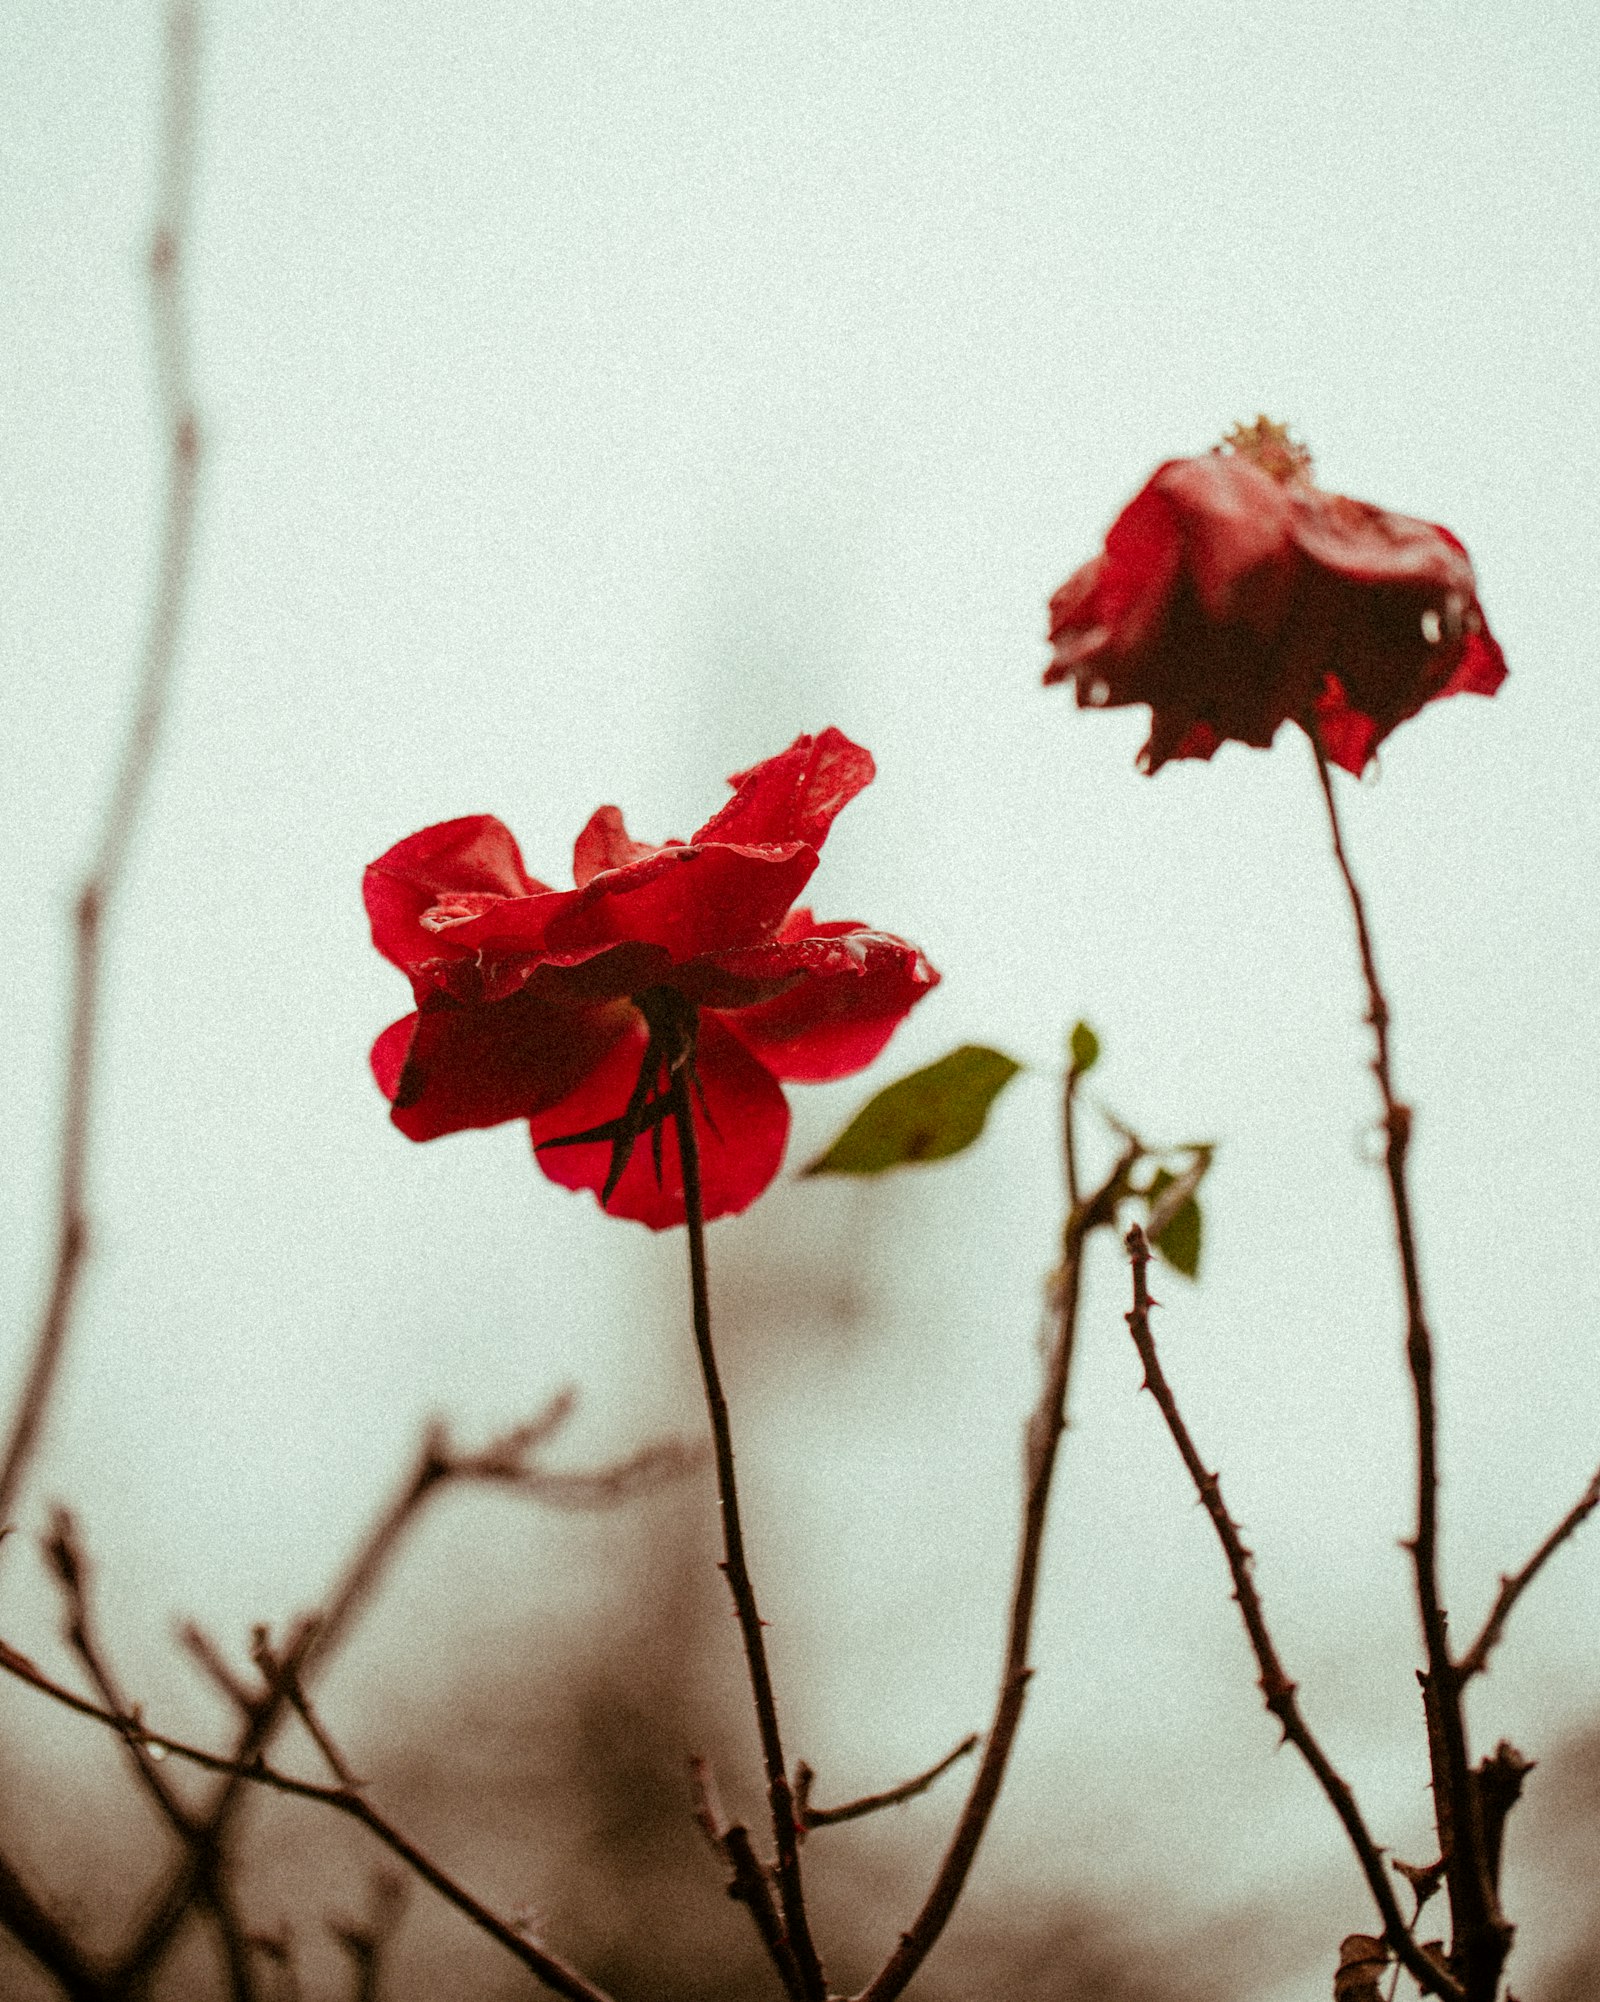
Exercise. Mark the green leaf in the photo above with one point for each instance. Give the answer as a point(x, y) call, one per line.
point(924, 1117)
point(1084, 1045)
point(1179, 1243)
point(1175, 1223)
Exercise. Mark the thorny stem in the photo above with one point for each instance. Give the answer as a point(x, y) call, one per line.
point(1042, 1440)
point(785, 1830)
point(1481, 1937)
point(1512, 1587)
point(1277, 1691)
point(872, 1803)
point(748, 1883)
point(99, 888)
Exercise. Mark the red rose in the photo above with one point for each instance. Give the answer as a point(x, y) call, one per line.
point(561, 1007)
point(1233, 596)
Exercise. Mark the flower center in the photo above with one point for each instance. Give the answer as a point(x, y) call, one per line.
point(1270, 447)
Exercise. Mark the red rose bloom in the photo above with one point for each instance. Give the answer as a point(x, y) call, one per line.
point(562, 1006)
point(1233, 595)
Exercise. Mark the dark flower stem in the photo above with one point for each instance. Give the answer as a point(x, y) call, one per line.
point(1278, 1692)
point(100, 886)
point(785, 1829)
point(1042, 1441)
point(1481, 1937)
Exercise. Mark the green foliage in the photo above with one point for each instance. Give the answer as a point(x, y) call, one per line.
point(933, 1113)
point(1084, 1046)
point(1176, 1226)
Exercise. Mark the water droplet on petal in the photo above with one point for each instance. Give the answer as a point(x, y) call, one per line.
point(1431, 627)
point(1098, 694)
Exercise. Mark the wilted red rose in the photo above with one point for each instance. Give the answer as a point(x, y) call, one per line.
point(1233, 596)
point(559, 1006)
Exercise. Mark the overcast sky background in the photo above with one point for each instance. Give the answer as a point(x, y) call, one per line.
point(594, 397)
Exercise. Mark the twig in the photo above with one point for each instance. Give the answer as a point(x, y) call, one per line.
point(316, 1731)
point(1277, 1691)
point(503, 1462)
point(791, 1891)
point(277, 1949)
point(67, 1560)
point(49, 1942)
point(1499, 1779)
point(365, 1939)
point(1482, 1937)
point(1476, 1658)
point(204, 1650)
point(1042, 1440)
point(748, 1884)
point(64, 1553)
point(869, 1803)
point(256, 1772)
point(100, 886)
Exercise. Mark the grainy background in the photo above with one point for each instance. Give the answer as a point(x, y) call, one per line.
point(594, 397)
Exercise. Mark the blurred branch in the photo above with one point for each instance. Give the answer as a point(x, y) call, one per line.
point(364, 1940)
point(174, 396)
point(66, 1559)
point(748, 1883)
point(49, 1942)
point(1277, 1691)
point(1042, 1440)
point(343, 1799)
point(852, 1810)
point(1476, 1658)
point(1481, 1936)
point(509, 1462)
point(277, 1950)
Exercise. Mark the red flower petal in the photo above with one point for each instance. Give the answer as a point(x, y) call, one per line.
point(795, 796)
point(1232, 602)
point(689, 900)
point(605, 844)
point(742, 1129)
point(452, 1066)
point(849, 988)
point(454, 870)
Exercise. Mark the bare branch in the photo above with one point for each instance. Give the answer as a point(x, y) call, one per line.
point(256, 1772)
point(204, 1650)
point(785, 1829)
point(1481, 1936)
point(1476, 1658)
point(364, 1940)
point(175, 398)
point(64, 1553)
point(869, 1803)
point(1042, 1440)
point(1277, 1691)
point(313, 1638)
point(67, 1560)
point(748, 1883)
point(52, 1946)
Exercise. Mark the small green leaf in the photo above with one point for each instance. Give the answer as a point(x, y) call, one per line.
point(1085, 1048)
point(1175, 1224)
point(924, 1117)
point(1179, 1243)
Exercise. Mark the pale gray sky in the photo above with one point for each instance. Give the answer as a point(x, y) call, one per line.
point(594, 397)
